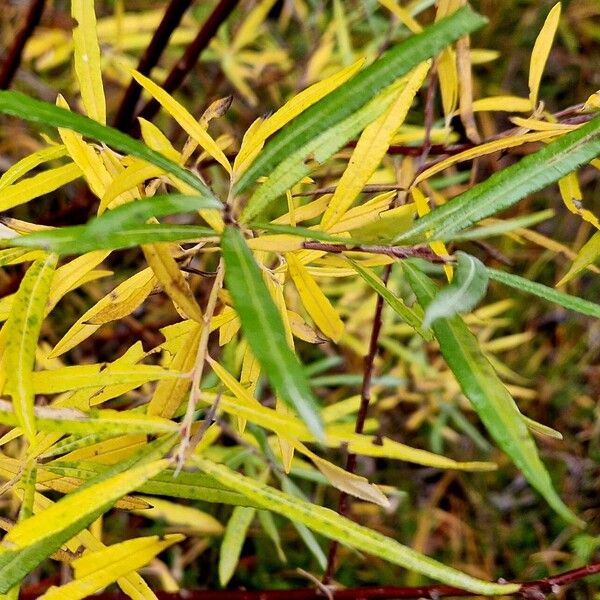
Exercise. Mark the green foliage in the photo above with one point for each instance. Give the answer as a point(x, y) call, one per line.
point(263, 312)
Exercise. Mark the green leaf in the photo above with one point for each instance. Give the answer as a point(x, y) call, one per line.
point(585, 307)
point(355, 93)
point(305, 232)
point(29, 109)
point(139, 211)
point(263, 327)
point(589, 254)
point(111, 422)
point(79, 239)
point(334, 526)
point(233, 540)
point(488, 395)
point(190, 486)
point(502, 227)
point(28, 543)
point(406, 313)
point(468, 287)
point(295, 166)
point(507, 186)
point(22, 331)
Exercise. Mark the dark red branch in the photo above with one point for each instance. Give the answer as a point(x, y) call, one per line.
point(160, 39)
point(192, 53)
point(13, 56)
point(529, 589)
point(361, 417)
point(399, 252)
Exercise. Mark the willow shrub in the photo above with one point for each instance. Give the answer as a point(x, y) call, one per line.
point(272, 272)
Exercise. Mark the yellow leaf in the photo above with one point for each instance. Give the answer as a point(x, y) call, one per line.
point(87, 59)
point(402, 14)
point(537, 125)
point(592, 103)
point(276, 242)
point(302, 330)
point(183, 118)
point(422, 204)
point(448, 78)
point(72, 275)
point(70, 509)
point(43, 183)
point(166, 270)
point(157, 140)
point(589, 254)
point(231, 383)
point(541, 51)
point(29, 162)
point(82, 376)
point(484, 149)
point(364, 214)
point(131, 583)
point(128, 180)
point(502, 103)
point(169, 394)
point(96, 570)
point(304, 213)
point(251, 145)
point(259, 131)
point(553, 246)
point(386, 225)
point(85, 157)
point(371, 148)
point(250, 26)
point(123, 300)
point(109, 452)
point(201, 523)
point(363, 444)
point(22, 331)
point(314, 300)
point(352, 484)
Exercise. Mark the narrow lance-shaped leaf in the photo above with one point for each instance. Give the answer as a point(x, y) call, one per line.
point(589, 254)
point(315, 302)
point(26, 108)
point(334, 526)
point(86, 56)
point(31, 541)
point(541, 51)
point(264, 330)
point(95, 570)
point(506, 187)
point(79, 239)
point(233, 540)
point(22, 331)
point(406, 313)
point(468, 287)
point(585, 307)
point(356, 92)
point(487, 393)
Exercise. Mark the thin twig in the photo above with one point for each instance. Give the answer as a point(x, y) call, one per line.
point(14, 55)
point(186, 446)
point(361, 417)
point(160, 39)
point(398, 252)
point(429, 112)
point(192, 53)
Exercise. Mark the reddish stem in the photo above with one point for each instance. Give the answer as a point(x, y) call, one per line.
point(531, 590)
point(192, 53)
point(149, 59)
point(14, 55)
